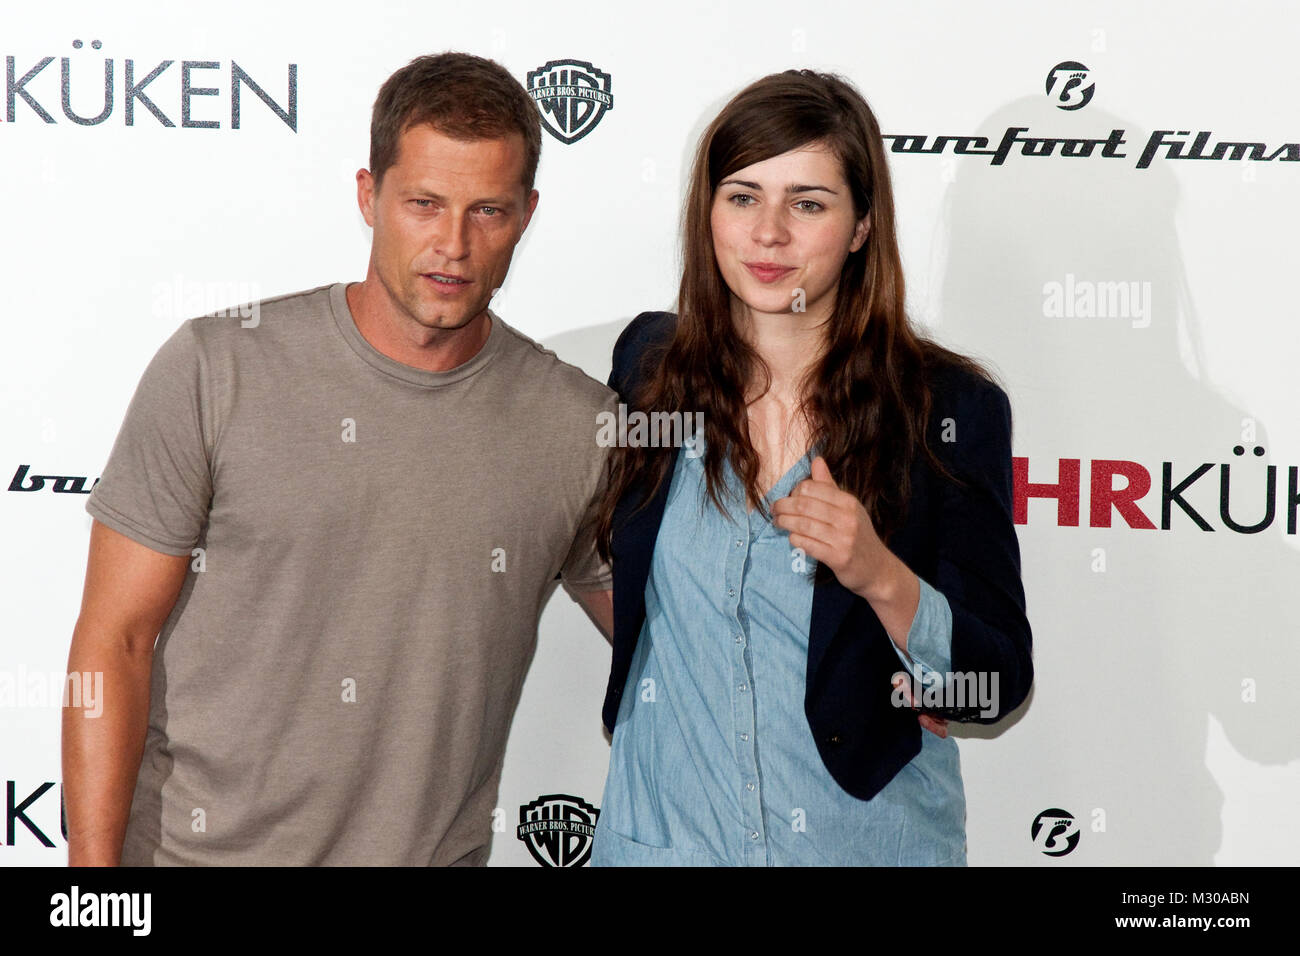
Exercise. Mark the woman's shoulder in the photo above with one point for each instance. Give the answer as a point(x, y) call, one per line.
point(645, 331)
point(966, 401)
point(956, 380)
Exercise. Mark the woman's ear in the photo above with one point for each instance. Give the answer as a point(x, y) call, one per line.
point(860, 232)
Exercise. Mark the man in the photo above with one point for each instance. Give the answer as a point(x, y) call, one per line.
point(341, 523)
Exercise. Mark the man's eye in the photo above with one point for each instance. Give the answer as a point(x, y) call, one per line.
point(490, 211)
point(423, 203)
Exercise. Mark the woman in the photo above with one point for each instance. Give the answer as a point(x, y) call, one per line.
point(843, 520)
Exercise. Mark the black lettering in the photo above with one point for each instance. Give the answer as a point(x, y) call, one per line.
point(1268, 509)
point(289, 116)
point(1197, 150)
point(1034, 146)
point(1238, 150)
point(20, 477)
point(1113, 142)
point(1004, 147)
point(907, 143)
point(13, 89)
point(964, 145)
point(134, 91)
point(187, 91)
point(1291, 151)
point(68, 484)
point(1169, 495)
point(1292, 497)
point(67, 94)
point(15, 813)
point(1154, 142)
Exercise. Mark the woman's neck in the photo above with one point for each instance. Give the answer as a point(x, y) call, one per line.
point(788, 343)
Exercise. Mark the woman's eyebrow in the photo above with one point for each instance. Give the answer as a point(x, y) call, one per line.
point(797, 188)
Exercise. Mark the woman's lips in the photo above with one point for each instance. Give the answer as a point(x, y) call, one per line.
point(767, 273)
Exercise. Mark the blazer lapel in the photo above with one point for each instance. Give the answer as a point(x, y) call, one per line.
point(633, 547)
point(831, 601)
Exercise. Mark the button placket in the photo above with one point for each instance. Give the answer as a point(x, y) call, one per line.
point(753, 841)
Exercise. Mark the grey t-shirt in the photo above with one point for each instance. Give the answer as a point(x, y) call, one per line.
point(336, 683)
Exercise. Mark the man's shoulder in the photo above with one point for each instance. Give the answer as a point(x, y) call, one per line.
point(541, 368)
point(268, 314)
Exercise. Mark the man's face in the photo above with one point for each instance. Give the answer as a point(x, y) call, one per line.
point(446, 219)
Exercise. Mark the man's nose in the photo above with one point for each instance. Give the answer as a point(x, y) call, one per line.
point(451, 240)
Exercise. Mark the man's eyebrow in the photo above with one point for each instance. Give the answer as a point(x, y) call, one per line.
point(797, 188)
point(419, 193)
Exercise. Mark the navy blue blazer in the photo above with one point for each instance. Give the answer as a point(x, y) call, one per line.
point(960, 540)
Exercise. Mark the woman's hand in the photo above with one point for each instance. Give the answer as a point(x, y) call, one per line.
point(936, 725)
point(833, 527)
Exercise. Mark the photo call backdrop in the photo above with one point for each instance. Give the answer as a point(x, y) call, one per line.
point(1099, 199)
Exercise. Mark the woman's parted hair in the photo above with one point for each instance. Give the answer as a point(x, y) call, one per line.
point(867, 401)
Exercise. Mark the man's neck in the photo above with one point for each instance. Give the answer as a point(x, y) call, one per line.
point(402, 339)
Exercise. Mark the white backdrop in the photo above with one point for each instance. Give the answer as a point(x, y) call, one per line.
point(1163, 714)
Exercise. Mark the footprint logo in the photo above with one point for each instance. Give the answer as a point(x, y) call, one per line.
point(1065, 86)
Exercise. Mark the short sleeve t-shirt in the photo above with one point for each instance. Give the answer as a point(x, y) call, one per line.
point(372, 545)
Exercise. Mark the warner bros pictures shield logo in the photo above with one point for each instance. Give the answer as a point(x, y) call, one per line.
point(572, 96)
point(558, 829)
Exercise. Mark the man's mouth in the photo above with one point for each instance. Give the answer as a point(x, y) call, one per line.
point(442, 278)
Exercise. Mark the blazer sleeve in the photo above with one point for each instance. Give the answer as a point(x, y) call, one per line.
point(978, 556)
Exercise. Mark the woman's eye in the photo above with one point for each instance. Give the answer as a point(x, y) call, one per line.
point(736, 199)
point(809, 205)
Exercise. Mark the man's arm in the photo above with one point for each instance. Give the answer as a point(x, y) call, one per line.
point(129, 591)
point(599, 606)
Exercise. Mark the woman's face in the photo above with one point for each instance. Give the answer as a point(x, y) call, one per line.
point(782, 229)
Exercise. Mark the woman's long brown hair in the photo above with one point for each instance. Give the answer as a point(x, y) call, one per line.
point(868, 400)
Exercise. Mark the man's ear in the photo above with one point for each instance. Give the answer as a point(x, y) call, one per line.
point(366, 196)
point(531, 206)
point(860, 233)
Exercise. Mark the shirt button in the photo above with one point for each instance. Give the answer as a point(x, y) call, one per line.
point(739, 639)
point(731, 592)
point(741, 688)
point(740, 543)
point(753, 835)
point(749, 786)
point(746, 737)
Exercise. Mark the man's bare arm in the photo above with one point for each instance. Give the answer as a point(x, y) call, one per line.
point(600, 608)
point(129, 591)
